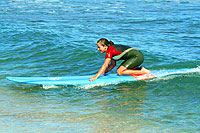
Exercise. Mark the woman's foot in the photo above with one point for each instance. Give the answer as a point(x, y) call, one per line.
point(145, 74)
point(145, 71)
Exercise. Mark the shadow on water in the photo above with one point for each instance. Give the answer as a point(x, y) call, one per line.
point(115, 106)
point(125, 98)
point(121, 97)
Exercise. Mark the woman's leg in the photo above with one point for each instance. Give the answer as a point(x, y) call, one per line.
point(124, 71)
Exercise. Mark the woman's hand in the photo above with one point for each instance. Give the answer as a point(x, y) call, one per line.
point(102, 69)
point(93, 78)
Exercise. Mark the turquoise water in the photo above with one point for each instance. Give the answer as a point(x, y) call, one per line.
point(58, 37)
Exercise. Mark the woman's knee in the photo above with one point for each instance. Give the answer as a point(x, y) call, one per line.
point(120, 70)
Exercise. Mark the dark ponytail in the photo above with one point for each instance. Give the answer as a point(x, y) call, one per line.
point(104, 42)
point(111, 42)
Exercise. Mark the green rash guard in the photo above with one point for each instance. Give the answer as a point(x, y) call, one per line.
point(132, 57)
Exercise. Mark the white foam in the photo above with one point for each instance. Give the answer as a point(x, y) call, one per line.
point(172, 75)
point(46, 87)
point(93, 85)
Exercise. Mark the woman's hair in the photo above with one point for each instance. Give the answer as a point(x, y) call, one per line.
point(104, 42)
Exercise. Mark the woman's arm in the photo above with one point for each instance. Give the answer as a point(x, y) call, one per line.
point(102, 69)
point(110, 67)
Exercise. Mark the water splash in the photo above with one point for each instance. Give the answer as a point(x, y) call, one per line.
point(172, 73)
point(47, 87)
point(85, 87)
point(93, 85)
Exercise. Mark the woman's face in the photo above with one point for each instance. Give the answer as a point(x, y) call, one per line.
point(101, 48)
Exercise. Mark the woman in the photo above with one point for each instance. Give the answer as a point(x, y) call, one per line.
point(132, 59)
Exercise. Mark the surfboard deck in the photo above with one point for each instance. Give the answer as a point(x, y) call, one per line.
point(108, 79)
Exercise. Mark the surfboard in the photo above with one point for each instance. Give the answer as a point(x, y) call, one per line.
point(108, 79)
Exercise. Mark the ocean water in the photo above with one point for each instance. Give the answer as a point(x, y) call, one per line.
point(58, 38)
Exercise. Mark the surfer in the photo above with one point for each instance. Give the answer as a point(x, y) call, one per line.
point(132, 59)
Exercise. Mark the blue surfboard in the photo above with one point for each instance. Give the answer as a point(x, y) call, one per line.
point(108, 79)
